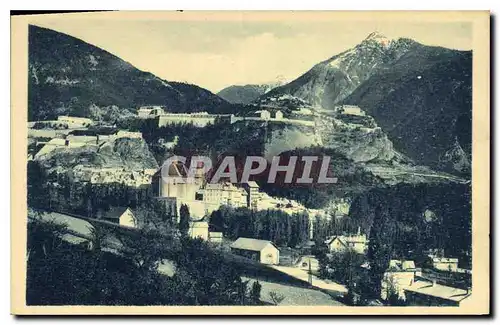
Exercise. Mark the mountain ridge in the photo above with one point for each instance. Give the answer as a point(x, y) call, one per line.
point(68, 75)
point(246, 94)
point(381, 76)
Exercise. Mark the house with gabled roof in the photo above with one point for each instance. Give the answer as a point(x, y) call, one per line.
point(399, 275)
point(122, 216)
point(445, 264)
point(263, 251)
point(198, 229)
point(357, 243)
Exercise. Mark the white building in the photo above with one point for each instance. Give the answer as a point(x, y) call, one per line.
point(122, 216)
point(278, 115)
point(351, 110)
point(399, 275)
point(445, 264)
point(426, 293)
point(215, 237)
point(262, 251)
point(201, 197)
point(198, 229)
point(263, 114)
point(224, 193)
point(75, 121)
point(147, 112)
point(357, 243)
point(199, 119)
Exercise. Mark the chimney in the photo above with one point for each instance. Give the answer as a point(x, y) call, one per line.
point(433, 283)
point(359, 230)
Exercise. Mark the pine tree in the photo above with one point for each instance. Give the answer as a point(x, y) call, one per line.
point(255, 292)
point(184, 220)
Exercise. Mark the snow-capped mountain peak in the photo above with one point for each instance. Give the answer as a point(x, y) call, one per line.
point(332, 80)
point(379, 39)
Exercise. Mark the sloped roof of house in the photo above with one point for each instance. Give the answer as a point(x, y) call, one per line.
point(438, 290)
point(115, 212)
point(331, 239)
point(348, 239)
point(401, 265)
point(251, 244)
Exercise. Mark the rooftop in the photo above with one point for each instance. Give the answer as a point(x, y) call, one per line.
point(348, 239)
point(438, 290)
point(250, 244)
point(401, 265)
point(115, 212)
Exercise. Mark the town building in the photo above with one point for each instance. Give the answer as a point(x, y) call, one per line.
point(278, 115)
point(215, 237)
point(173, 182)
point(73, 120)
point(224, 193)
point(426, 293)
point(147, 112)
point(202, 198)
point(198, 119)
point(262, 251)
point(108, 175)
point(84, 139)
point(198, 229)
point(358, 243)
point(351, 110)
point(80, 138)
point(399, 275)
point(172, 186)
point(263, 114)
point(122, 216)
point(253, 194)
point(445, 264)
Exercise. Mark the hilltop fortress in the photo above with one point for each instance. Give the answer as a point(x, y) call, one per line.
point(202, 119)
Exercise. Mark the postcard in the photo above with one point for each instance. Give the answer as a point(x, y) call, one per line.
point(237, 163)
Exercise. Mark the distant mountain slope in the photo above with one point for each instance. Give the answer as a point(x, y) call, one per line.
point(420, 95)
point(424, 103)
point(245, 94)
point(67, 75)
point(332, 80)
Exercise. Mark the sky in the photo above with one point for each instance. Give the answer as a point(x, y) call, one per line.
point(216, 53)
